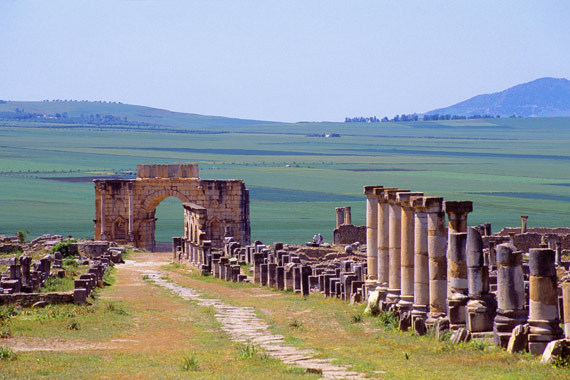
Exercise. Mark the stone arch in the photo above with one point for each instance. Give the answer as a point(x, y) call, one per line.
point(152, 201)
point(131, 203)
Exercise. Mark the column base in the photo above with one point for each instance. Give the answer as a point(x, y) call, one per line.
point(406, 303)
point(541, 332)
point(393, 296)
point(456, 306)
point(505, 322)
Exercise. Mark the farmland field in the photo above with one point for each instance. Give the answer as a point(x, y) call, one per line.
point(508, 167)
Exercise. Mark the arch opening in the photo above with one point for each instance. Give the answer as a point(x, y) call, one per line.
point(168, 222)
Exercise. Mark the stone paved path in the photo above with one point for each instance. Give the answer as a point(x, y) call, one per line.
point(242, 326)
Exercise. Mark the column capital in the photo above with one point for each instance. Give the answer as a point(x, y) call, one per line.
point(458, 207)
point(391, 195)
point(369, 191)
point(406, 199)
point(380, 191)
point(433, 205)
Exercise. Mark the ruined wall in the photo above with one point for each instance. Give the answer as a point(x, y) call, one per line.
point(348, 234)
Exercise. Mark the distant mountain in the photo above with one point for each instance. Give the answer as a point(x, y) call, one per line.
point(540, 98)
point(105, 113)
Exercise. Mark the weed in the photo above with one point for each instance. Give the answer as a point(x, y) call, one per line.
point(249, 350)
point(356, 318)
point(189, 363)
point(561, 362)
point(145, 277)
point(477, 345)
point(388, 320)
point(114, 307)
point(70, 263)
point(7, 354)
point(445, 336)
point(5, 332)
point(73, 325)
point(295, 324)
point(6, 313)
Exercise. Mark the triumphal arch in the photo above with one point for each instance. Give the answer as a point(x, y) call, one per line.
point(125, 208)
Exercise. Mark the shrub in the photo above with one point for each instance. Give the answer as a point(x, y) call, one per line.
point(63, 247)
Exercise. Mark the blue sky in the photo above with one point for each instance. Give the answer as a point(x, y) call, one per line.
point(279, 60)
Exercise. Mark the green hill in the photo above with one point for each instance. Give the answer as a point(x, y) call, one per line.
point(544, 97)
point(108, 113)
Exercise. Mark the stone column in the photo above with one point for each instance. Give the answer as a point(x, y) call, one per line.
point(543, 304)
point(383, 241)
point(481, 308)
point(103, 235)
point(371, 236)
point(130, 187)
point(457, 278)
point(395, 244)
point(421, 271)
point(339, 217)
point(566, 305)
point(347, 215)
point(457, 269)
point(524, 218)
point(437, 260)
point(510, 293)
point(407, 252)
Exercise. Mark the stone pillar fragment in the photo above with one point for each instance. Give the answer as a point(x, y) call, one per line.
point(510, 294)
point(347, 215)
point(543, 304)
point(457, 277)
point(339, 217)
point(383, 241)
point(421, 270)
point(524, 218)
point(437, 260)
point(407, 252)
point(395, 244)
point(371, 235)
point(481, 308)
point(102, 191)
point(566, 303)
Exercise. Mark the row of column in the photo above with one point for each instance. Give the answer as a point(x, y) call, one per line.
point(406, 249)
point(424, 274)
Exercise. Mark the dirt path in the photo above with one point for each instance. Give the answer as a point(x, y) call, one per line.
point(242, 325)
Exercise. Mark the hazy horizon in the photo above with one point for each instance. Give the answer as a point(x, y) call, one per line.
point(278, 61)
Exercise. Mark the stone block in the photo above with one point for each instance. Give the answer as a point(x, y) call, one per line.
point(519, 339)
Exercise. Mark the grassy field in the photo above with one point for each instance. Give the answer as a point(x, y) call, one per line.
point(135, 329)
point(508, 167)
